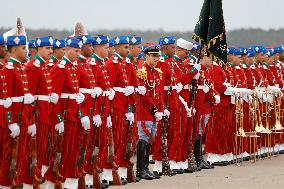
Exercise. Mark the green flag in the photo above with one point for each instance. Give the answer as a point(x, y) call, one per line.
point(210, 30)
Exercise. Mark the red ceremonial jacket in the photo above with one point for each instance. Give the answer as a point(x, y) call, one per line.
point(64, 78)
point(98, 66)
point(17, 86)
point(151, 79)
point(39, 80)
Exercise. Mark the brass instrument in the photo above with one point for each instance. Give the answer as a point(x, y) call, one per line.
point(239, 132)
point(252, 134)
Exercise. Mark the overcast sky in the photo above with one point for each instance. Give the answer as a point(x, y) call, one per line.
point(169, 15)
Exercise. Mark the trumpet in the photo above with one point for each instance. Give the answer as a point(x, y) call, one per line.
point(239, 132)
point(252, 134)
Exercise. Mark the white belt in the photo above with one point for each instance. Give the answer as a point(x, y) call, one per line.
point(167, 88)
point(119, 89)
point(187, 86)
point(86, 91)
point(68, 95)
point(1, 102)
point(200, 87)
point(42, 97)
point(17, 99)
point(106, 93)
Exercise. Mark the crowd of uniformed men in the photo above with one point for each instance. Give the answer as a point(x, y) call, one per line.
point(74, 111)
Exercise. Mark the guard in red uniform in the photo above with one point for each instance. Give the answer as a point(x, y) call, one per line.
point(150, 108)
point(171, 105)
point(38, 77)
point(185, 75)
point(5, 102)
point(102, 118)
point(88, 87)
point(206, 97)
point(21, 128)
point(58, 53)
point(123, 114)
point(67, 114)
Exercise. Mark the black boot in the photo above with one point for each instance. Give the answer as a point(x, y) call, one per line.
point(140, 166)
point(105, 184)
point(201, 163)
point(147, 162)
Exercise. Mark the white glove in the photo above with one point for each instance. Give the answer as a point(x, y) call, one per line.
point(128, 90)
point(97, 91)
point(217, 99)
point(86, 123)
point(250, 99)
point(178, 87)
point(167, 113)
point(59, 127)
point(205, 88)
point(54, 98)
point(274, 89)
point(270, 98)
point(233, 99)
point(97, 120)
point(109, 122)
point(264, 97)
point(248, 91)
point(130, 117)
point(80, 98)
point(259, 94)
point(28, 98)
point(32, 130)
point(7, 102)
point(197, 76)
point(197, 66)
point(15, 130)
point(158, 116)
point(111, 94)
point(229, 91)
point(141, 90)
point(189, 112)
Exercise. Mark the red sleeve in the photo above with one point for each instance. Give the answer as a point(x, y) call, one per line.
point(112, 71)
point(33, 77)
point(218, 78)
point(9, 76)
point(57, 76)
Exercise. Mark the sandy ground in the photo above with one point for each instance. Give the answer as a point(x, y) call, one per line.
point(264, 174)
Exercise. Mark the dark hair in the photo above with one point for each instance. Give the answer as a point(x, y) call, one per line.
point(9, 48)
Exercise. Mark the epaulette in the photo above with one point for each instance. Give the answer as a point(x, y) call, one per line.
point(50, 64)
point(252, 66)
point(237, 67)
point(160, 72)
point(115, 60)
point(62, 64)
point(9, 66)
point(36, 63)
point(92, 61)
point(142, 73)
point(127, 60)
point(265, 67)
point(161, 59)
point(215, 63)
